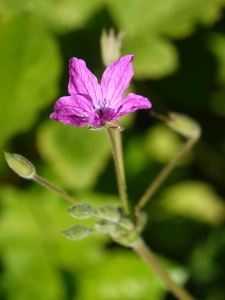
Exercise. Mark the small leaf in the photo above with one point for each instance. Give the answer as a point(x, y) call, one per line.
point(30, 65)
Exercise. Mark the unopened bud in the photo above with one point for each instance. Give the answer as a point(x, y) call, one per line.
point(20, 165)
point(126, 223)
point(104, 226)
point(123, 236)
point(77, 232)
point(109, 213)
point(183, 125)
point(119, 231)
point(81, 211)
point(111, 45)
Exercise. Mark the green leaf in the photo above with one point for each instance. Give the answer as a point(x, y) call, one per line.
point(135, 157)
point(30, 66)
point(122, 275)
point(162, 144)
point(33, 249)
point(155, 56)
point(195, 200)
point(77, 155)
point(76, 255)
point(174, 18)
point(147, 23)
point(34, 254)
point(27, 271)
point(60, 15)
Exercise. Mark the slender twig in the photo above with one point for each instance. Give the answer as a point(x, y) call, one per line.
point(119, 172)
point(165, 172)
point(53, 188)
point(145, 253)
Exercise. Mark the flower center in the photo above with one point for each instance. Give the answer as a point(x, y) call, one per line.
point(101, 111)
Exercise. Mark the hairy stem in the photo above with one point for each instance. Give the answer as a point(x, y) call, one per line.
point(165, 172)
point(118, 140)
point(146, 254)
point(53, 188)
point(119, 173)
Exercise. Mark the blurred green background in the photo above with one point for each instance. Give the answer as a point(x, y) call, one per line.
point(180, 66)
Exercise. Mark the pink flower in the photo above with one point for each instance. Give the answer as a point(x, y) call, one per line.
point(96, 104)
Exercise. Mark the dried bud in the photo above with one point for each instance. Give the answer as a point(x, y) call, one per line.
point(104, 226)
point(183, 125)
point(20, 165)
point(111, 45)
point(77, 232)
point(81, 211)
point(109, 213)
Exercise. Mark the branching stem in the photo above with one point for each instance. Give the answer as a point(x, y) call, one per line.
point(146, 254)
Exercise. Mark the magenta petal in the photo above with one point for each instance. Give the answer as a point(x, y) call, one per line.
point(72, 110)
point(94, 104)
point(82, 81)
point(132, 103)
point(69, 120)
point(116, 79)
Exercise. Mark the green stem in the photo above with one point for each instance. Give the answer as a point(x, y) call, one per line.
point(145, 253)
point(119, 173)
point(118, 140)
point(53, 188)
point(165, 172)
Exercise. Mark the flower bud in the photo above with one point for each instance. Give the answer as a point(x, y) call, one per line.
point(104, 226)
point(111, 45)
point(123, 236)
point(81, 211)
point(183, 125)
point(126, 223)
point(119, 231)
point(20, 165)
point(109, 213)
point(77, 232)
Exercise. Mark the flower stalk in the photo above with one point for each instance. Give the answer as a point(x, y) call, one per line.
point(146, 254)
point(119, 172)
point(192, 139)
point(24, 168)
point(119, 147)
point(53, 188)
